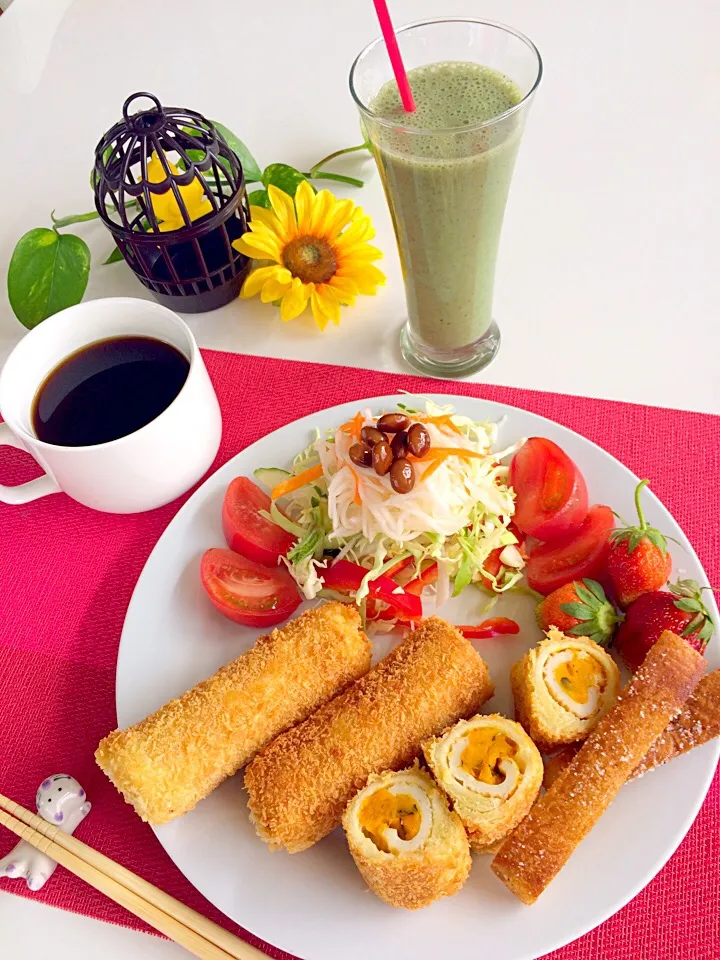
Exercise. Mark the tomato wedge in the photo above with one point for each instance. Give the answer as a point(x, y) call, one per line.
point(578, 555)
point(493, 627)
point(346, 576)
point(248, 533)
point(247, 592)
point(551, 495)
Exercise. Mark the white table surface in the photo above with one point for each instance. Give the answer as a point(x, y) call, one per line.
point(608, 282)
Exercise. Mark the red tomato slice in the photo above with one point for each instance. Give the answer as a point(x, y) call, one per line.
point(248, 533)
point(578, 555)
point(247, 592)
point(551, 495)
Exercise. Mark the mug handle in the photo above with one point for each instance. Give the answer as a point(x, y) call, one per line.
point(24, 492)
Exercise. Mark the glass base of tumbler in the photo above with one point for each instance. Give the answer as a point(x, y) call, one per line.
point(450, 364)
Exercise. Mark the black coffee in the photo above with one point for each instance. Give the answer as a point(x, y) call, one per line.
point(108, 390)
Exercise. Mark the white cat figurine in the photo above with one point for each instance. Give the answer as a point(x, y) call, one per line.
point(61, 801)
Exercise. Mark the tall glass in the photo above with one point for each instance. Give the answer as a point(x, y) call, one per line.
point(447, 186)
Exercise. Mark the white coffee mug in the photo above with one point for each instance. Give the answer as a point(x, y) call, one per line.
point(140, 471)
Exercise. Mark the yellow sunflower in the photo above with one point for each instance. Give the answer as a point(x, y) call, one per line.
point(320, 252)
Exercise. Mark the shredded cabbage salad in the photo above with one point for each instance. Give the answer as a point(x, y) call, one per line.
point(455, 518)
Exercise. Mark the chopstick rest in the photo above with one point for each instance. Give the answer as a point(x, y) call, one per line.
point(62, 802)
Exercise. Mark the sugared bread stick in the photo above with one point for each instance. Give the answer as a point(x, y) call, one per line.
point(698, 722)
point(168, 762)
point(542, 843)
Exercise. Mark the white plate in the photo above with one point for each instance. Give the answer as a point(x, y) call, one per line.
point(314, 904)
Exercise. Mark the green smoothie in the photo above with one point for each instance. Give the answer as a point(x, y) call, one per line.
point(447, 188)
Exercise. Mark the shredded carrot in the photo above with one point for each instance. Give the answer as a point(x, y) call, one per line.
point(294, 483)
point(357, 498)
point(432, 467)
point(443, 421)
point(354, 426)
point(435, 452)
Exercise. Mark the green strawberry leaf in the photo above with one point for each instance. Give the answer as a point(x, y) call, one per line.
point(584, 629)
point(48, 272)
point(706, 632)
point(587, 596)
point(579, 610)
point(596, 589)
point(689, 605)
point(634, 540)
point(695, 624)
point(657, 539)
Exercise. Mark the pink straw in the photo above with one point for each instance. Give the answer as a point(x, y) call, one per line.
point(398, 66)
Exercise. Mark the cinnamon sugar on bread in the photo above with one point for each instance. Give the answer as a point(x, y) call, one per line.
point(541, 845)
point(697, 723)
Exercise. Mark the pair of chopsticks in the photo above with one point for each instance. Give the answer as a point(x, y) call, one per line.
point(196, 933)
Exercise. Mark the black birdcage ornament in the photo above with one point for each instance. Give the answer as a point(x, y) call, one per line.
point(172, 193)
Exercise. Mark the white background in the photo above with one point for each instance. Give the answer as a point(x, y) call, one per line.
point(608, 282)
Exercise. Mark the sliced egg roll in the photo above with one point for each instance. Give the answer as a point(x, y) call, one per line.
point(491, 771)
point(562, 688)
point(407, 844)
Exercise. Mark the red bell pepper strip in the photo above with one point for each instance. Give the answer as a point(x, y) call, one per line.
point(429, 575)
point(399, 567)
point(494, 627)
point(346, 576)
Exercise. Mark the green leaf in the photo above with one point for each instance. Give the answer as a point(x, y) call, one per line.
point(585, 595)
point(579, 610)
point(251, 170)
point(115, 257)
point(462, 577)
point(706, 632)
point(285, 178)
point(697, 622)
point(634, 541)
point(689, 605)
point(584, 629)
point(48, 272)
point(657, 539)
point(106, 154)
point(259, 198)
point(596, 589)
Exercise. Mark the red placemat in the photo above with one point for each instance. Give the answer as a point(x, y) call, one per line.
point(67, 574)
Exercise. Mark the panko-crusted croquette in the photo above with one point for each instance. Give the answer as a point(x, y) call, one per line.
point(562, 687)
point(491, 770)
point(168, 762)
point(542, 843)
point(300, 784)
point(409, 847)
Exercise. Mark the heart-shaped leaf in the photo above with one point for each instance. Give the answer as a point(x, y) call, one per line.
point(48, 272)
point(115, 257)
point(284, 177)
point(251, 170)
point(259, 198)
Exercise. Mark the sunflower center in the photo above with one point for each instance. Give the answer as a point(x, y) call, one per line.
point(311, 259)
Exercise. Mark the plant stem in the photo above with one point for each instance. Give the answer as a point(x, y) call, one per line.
point(74, 218)
point(641, 515)
point(315, 174)
point(331, 156)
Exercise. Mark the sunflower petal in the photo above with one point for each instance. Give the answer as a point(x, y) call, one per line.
point(322, 206)
point(329, 303)
point(338, 218)
point(284, 208)
point(304, 198)
point(345, 287)
point(359, 252)
point(259, 247)
point(359, 230)
point(365, 276)
point(264, 216)
point(294, 301)
point(254, 282)
point(321, 318)
point(273, 289)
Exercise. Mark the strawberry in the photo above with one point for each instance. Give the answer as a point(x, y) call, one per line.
point(638, 561)
point(580, 609)
point(680, 610)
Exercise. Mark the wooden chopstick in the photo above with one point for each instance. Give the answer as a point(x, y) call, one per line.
point(190, 929)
